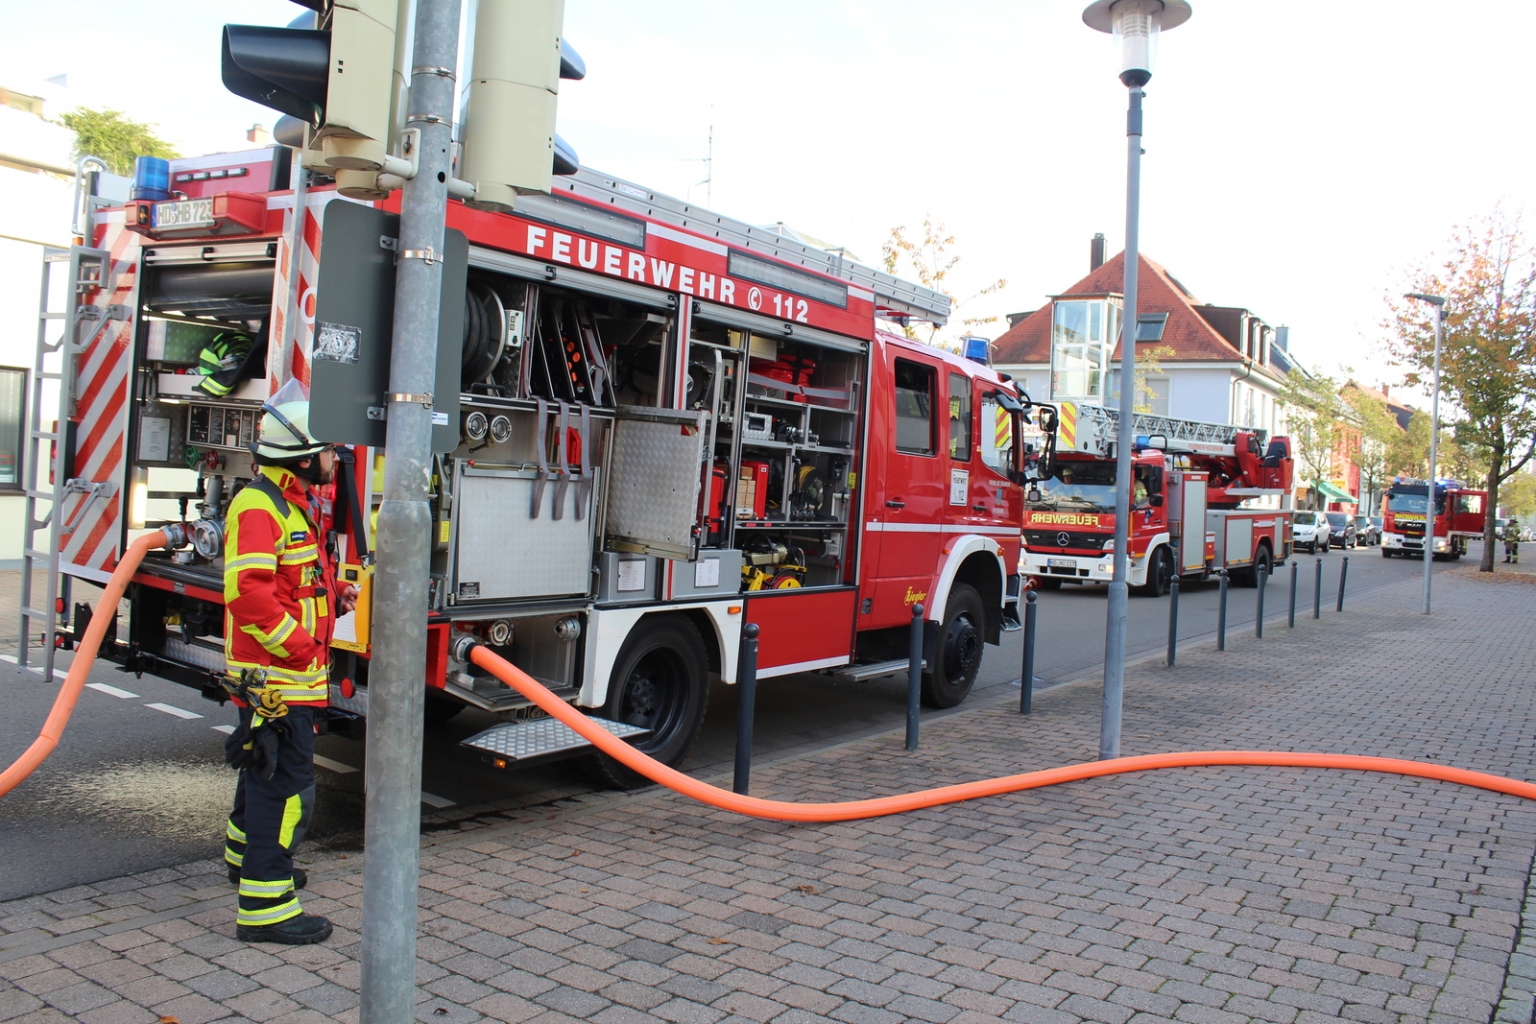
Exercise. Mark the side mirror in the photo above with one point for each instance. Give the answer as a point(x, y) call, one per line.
point(1157, 501)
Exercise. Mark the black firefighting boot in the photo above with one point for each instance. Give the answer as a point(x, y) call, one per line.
point(300, 877)
point(303, 930)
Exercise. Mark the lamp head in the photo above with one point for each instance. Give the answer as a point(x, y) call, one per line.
point(1135, 25)
point(1438, 300)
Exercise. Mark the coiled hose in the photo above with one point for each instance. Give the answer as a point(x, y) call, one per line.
point(852, 810)
point(80, 667)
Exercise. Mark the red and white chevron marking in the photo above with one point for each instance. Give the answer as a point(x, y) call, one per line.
point(102, 378)
point(290, 358)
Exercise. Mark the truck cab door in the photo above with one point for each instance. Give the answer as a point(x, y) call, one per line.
point(981, 454)
point(908, 487)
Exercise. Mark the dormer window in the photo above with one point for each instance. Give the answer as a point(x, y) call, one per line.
point(1082, 339)
point(1149, 326)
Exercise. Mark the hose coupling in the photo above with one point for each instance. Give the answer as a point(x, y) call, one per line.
point(177, 535)
point(462, 645)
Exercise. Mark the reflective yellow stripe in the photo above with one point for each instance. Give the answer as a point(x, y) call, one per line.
point(273, 915)
point(233, 858)
point(307, 610)
point(233, 833)
point(265, 890)
point(293, 810)
point(298, 556)
point(259, 560)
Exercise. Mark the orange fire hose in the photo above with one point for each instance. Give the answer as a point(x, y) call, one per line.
point(85, 657)
point(851, 810)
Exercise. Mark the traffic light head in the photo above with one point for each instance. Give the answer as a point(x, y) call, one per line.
point(336, 77)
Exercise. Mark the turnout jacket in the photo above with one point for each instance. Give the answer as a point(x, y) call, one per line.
point(279, 587)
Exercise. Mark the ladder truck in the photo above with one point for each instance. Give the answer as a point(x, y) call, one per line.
point(1460, 513)
point(1190, 480)
point(653, 425)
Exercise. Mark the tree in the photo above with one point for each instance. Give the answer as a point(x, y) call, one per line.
point(113, 137)
point(1316, 421)
point(1519, 497)
point(1488, 368)
point(1378, 431)
point(930, 260)
point(1409, 452)
point(1149, 361)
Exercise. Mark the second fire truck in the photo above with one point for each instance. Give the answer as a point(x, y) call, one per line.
point(654, 426)
point(1189, 483)
point(1459, 517)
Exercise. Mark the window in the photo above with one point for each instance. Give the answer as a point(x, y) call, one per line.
point(914, 408)
point(995, 438)
point(1469, 504)
point(1081, 335)
point(13, 403)
point(1149, 326)
point(959, 417)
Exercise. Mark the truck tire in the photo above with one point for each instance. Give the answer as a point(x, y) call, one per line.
point(962, 638)
point(1262, 563)
point(1159, 574)
point(1050, 583)
point(438, 710)
point(660, 681)
point(1386, 552)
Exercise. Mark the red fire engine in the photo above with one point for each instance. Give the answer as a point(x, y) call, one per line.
point(1459, 517)
point(664, 424)
point(1189, 480)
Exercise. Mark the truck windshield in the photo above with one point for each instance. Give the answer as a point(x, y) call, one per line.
point(1410, 503)
point(1089, 485)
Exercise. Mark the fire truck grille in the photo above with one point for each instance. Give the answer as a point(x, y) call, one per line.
point(1411, 529)
point(1077, 540)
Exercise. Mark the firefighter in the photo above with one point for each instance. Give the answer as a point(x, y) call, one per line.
point(1512, 540)
point(279, 614)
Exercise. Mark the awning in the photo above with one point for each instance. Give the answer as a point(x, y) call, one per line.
point(1336, 493)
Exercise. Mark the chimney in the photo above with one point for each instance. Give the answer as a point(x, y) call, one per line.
point(1014, 319)
point(259, 135)
point(1386, 391)
point(1096, 252)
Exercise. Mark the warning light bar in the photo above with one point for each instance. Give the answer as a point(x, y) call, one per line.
point(227, 213)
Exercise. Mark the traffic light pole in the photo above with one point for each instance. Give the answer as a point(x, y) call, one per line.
point(392, 824)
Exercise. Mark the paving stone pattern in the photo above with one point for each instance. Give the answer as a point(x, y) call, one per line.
point(1198, 895)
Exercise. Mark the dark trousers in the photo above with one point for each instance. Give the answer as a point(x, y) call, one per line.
point(269, 818)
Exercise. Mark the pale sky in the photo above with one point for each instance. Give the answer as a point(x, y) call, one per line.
point(1299, 156)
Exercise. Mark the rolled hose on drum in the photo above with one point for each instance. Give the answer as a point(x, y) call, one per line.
point(852, 810)
point(85, 656)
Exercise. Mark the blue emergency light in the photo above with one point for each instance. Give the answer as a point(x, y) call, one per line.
point(976, 349)
point(151, 179)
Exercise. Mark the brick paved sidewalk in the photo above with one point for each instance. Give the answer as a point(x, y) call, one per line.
point(1198, 895)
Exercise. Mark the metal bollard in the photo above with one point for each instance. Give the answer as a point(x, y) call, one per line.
point(1295, 577)
point(1258, 622)
point(1317, 592)
point(1027, 680)
point(914, 674)
point(746, 681)
point(1173, 620)
point(1343, 577)
point(1221, 610)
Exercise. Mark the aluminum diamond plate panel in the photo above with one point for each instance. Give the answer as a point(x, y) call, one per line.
point(655, 472)
point(502, 554)
point(520, 741)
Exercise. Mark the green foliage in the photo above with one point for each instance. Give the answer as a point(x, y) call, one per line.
point(930, 260)
point(1488, 365)
point(1519, 497)
point(1378, 431)
point(1316, 414)
point(113, 137)
point(1409, 453)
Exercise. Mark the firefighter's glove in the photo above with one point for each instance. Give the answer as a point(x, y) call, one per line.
point(268, 703)
point(253, 747)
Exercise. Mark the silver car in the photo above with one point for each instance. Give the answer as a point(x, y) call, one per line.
point(1310, 531)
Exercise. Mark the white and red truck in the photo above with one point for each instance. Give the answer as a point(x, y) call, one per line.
point(1460, 512)
point(1190, 482)
point(662, 424)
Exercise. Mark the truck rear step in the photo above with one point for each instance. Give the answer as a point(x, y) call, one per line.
point(871, 670)
point(543, 739)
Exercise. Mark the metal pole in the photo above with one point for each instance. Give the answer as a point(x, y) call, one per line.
point(1434, 441)
point(392, 820)
point(1290, 621)
point(746, 683)
point(1119, 589)
point(1221, 610)
point(914, 674)
point(1317, 592)
point(1258, 621)
point(1173, 620)
point(1027, 679)
point(1343, 578)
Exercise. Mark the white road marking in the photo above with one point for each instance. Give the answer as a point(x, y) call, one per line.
point(335, 766)
point(112, 691)
point(435, 800)
point(172, 709)
point(225, 729)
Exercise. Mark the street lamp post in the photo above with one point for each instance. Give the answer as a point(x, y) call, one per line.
point(1438, 301)
point(1135, 25)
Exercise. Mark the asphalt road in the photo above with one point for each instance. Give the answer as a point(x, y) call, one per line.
point(139, 780)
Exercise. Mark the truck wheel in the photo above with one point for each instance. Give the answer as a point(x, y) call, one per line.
point(1261, 567)
point(1159, 574)
point(440, 709)
point(1049, 583)
point(961, 640)
point(1386, 552)
point(660, 681)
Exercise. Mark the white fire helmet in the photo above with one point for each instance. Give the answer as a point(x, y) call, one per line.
point(285, 426)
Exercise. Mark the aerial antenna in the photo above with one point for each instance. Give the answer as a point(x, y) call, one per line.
point(708, 160)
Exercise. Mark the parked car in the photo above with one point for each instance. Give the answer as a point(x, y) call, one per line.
point(1310, 530)
point(1378, 524)
point(1342, 528)
point(1367, 530)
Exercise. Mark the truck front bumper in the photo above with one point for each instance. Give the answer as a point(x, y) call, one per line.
point(1402, 542)
point(1099, 568)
